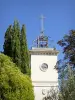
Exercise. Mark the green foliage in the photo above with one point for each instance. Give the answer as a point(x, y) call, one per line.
point(68, 44)
point(66, 67)
point(24, 51)
point(13, 84)
point(8, 41)
point(15, 46)
point(67, 86)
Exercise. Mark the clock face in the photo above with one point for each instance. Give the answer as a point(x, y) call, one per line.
point(44, 67)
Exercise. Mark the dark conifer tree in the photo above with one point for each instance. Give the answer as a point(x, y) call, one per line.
point(16, 44)
point(24, 51)
point(8, 42)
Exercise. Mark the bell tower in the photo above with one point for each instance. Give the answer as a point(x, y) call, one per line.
point(43, 60)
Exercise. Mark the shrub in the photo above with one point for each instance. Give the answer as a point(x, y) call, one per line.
point(14, 85)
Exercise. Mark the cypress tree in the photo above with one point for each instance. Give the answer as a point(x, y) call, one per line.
point(16, 44)
point(24, 52)
point(8, 42)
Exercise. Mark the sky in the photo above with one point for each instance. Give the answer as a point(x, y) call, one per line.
point(59, 18)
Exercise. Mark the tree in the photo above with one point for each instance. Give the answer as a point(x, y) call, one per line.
point(14, 85)
point(15, 46)
point(67, 79)
point(52, 94)
point(8, 42)
point(67, 86)
point(68, 44)
point(12, 43)
point(24, 51)
point(16, 55)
